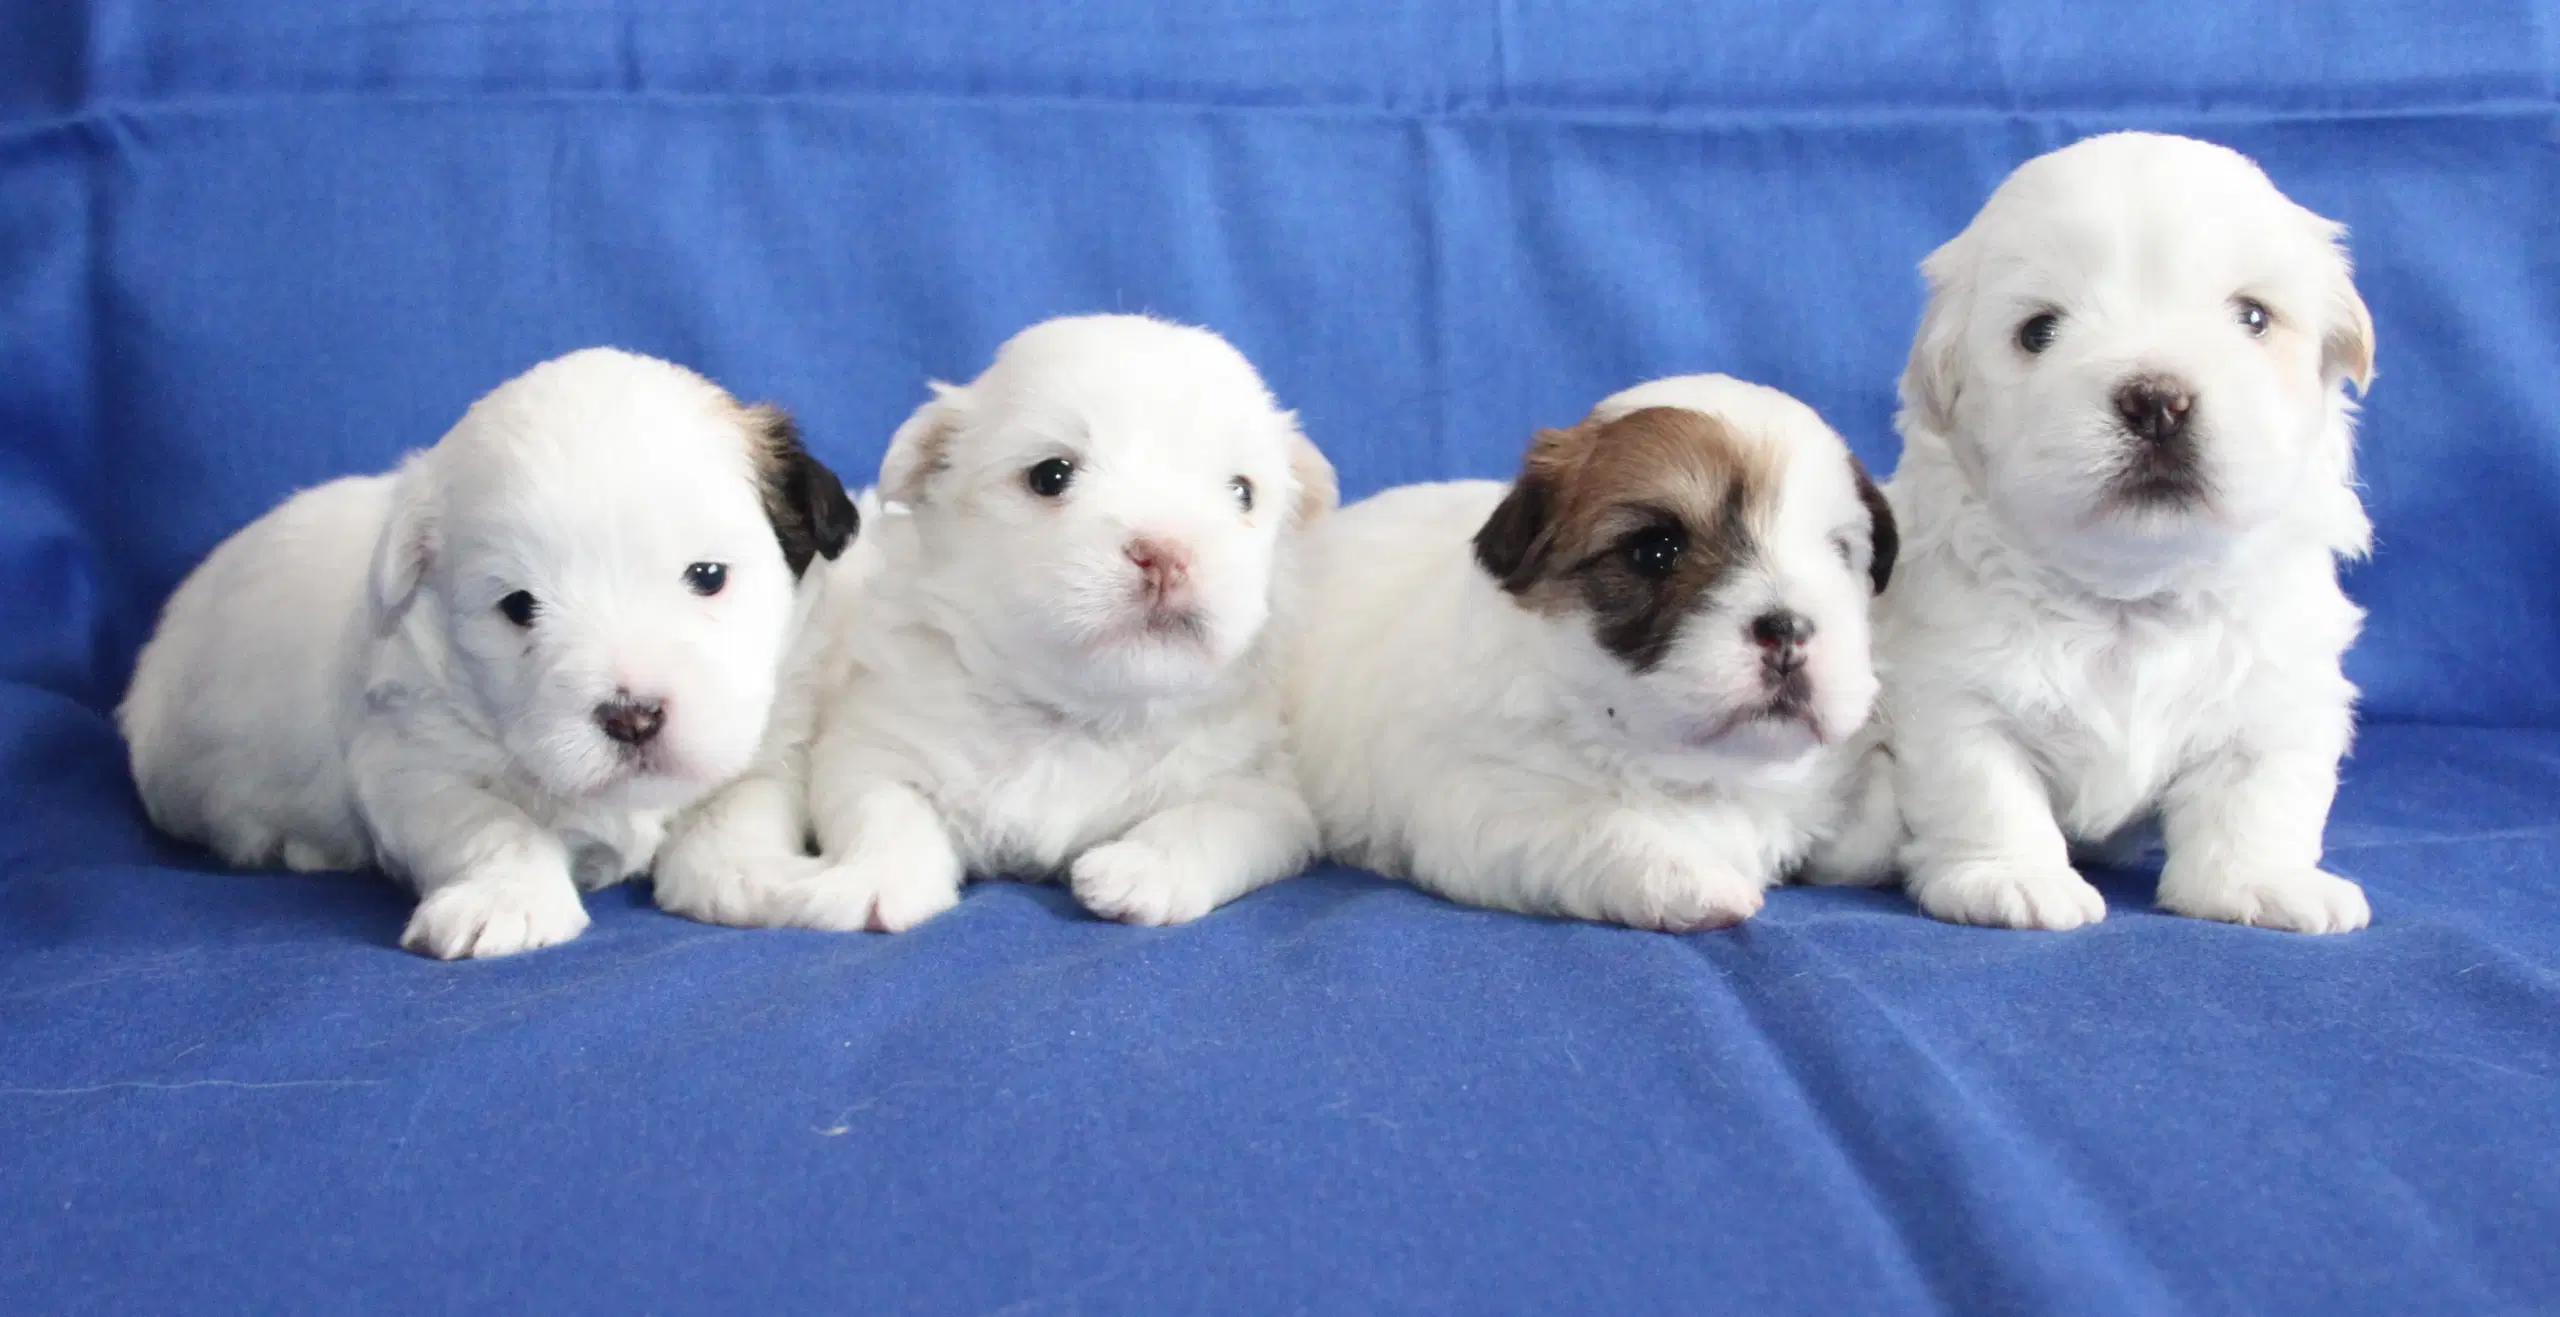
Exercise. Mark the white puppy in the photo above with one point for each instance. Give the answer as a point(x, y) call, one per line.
point(1627, 687)
point(1058, 663)
point(497, 670)
point(2126, 481)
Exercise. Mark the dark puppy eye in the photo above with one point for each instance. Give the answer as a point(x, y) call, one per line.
point(2252, 315)
point(1050, 479)
point(1848, 552)
point(2038, 332)
point(1655, 552)
point(707, 578)
point(519, 607)
point(1243, 486)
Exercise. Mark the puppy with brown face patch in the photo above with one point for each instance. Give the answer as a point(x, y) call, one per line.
point(1631, 686)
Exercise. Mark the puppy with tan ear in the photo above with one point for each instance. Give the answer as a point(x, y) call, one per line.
point(2126, 485)
point(1058, 665)
point(1630, 686)
point(572, 622)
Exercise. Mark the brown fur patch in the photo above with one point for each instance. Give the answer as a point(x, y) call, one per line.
point(1635, 522)
point(811, 515)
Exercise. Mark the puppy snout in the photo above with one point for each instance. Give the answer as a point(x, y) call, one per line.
point(2154, 407)
point(631, 719)
point(1783, 635)
point(1166, 564)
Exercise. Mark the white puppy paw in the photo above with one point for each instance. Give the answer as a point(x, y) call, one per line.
point(1137, 882)
point(2005, 895)
point(742, 891)
point(2289, 900)
point(1685, 896)
point(495, 916)
point(879, 890)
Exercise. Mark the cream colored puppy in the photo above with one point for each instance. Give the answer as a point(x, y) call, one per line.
point(2127, 481)
point(1056, 661)
point(1628, 686)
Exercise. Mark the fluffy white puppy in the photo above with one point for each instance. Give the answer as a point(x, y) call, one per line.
point(1629, 686)
point(2126, 482)
point(495, 671)
point(1057, 665)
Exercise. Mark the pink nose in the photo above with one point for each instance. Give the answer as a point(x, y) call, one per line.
point(1165, 563)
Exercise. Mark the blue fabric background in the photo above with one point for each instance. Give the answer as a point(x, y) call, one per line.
point(246, 247)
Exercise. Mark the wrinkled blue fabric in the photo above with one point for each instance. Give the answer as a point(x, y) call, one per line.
point(248, 247)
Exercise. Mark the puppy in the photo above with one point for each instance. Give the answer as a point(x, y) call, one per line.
point(496, 671)
point(2126, 482)
point(1058, 664)
point(1628, 687)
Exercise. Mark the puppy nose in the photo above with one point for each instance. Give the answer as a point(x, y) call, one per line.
point(1165, 563)
point(1782, 634)
point(631, 719)
point(2154, 407)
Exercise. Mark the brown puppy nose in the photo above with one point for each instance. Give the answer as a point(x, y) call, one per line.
point(1165, 563)
point(1783, 635)
point(2154, 407)
point(631, 719)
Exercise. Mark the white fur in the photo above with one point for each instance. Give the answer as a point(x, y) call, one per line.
point(337, 685)
point(1451, 736)
point(2059, 670)
point(989, 698)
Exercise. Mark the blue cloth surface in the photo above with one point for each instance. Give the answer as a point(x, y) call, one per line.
point(247, 247)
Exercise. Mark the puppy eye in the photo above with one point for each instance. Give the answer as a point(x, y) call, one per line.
point(1050, 479)
point(2038, 332)
point(1654, 553)
point(1848, 551)
point(707, 578)
point(1243, 486)
point(2252, 315)
point(519, 608)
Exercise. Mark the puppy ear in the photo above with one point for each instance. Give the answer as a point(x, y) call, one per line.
point(1934, 377)
point(921, 449)
point(1515, 542)
point(1884, 538)
point(1319, 490)
point(407, 546)
point(2346, 351)
point(811, 516)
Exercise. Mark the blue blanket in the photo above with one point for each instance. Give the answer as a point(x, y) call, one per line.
point(248, 246)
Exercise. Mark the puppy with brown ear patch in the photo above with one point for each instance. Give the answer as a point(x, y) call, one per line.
point(1629, 687)
point(496, 672)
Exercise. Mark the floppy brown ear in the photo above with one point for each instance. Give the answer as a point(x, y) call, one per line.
point(1319, 490)
point(407, 546)
point(1884, 537)
point(1933, 378)
point(921, 449)
point(811, 515)
point(1515, 542)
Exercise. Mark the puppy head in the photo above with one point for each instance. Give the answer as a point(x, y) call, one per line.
point(611, 545)
point(1709, 547)
point(2139, 349)
point(1106, 503)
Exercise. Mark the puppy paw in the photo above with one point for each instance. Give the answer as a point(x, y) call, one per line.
point(1688, 896)
point(739, 891)
point(1136, 882)
point(2289, 900)
point(496, 916)
point(2004, 895)
point(877, 891)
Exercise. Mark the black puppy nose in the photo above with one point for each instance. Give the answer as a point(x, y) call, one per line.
point(2154, 407)
point(630, 719)
point(1783, 634)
